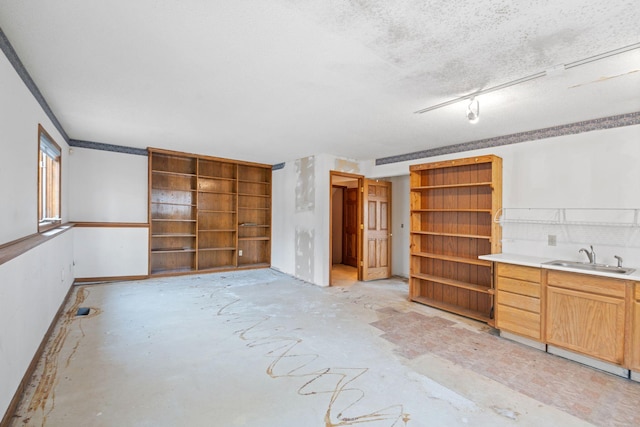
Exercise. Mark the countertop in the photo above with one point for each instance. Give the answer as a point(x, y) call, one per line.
point(533, 261)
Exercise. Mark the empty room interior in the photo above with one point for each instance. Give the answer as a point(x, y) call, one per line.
point(319, 213)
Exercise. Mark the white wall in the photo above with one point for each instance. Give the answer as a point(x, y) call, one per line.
point(598, 169)
point(300, 234)
point(400, 225)
point(32, 288)
point(33, 285)
point(109, 187)
point(20, 115)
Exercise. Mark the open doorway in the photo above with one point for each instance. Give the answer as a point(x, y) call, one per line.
point(345, 220)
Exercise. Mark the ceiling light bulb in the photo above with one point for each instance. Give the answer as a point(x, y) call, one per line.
point(473, 111)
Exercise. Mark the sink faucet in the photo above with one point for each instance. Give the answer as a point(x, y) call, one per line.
point(591, 254)
point(619, 258)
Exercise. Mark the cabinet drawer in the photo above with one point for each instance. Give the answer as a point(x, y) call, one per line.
point(586, 283)
point(530, 274)
point(517, 321)
point(519, 301)
point(518, 287)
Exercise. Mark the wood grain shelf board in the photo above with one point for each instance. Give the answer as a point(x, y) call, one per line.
point(254, 238)
point(254, 265)
point(218, 230)
point(173, 235)
point(265, 196)
point(171, 270)
point(217, 192)
point(473, 261)
point(218, 268)
point(171, 251)
point(257, 209)
point(254, 225)
point(254, 182)
point(437, 187)
point(450, 210)
point(173, 204)
point(212, 211)
point(230, 248)
point(190, 190)
point(455, 283)
point(217, 178)
point(435, 233)
point(453, 309)
point(173, 173)
point(172, 220)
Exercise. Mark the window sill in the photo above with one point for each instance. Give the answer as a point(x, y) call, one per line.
point(16, 248)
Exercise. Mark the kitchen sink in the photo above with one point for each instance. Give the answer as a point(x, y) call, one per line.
point(591, 267)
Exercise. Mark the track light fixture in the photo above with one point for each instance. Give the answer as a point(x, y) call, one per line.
point(473, 111)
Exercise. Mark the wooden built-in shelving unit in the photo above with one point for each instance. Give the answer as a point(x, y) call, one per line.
point(207, 213)
point(452, 207)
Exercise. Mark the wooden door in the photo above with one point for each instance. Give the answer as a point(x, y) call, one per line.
point(377, 230)
point(350, 221)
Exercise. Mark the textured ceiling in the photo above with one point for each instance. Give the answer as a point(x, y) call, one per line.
point(279, 80)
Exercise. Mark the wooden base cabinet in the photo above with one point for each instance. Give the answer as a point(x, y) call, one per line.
point(518, 308)
point(452, 207)
point(634, 363)
point(207, 213)
point(586, 314)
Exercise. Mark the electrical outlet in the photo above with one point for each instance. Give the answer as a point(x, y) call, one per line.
point(240, 252)
point(551, 240)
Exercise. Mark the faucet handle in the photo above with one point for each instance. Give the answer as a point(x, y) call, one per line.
point(619, 258)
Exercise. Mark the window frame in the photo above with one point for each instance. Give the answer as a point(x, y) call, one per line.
point(52, 185)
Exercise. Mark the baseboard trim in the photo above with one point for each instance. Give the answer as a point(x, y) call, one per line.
point(13, 405)
point(86, 280)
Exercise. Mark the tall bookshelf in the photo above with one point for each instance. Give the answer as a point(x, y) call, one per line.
point(207, 213)
point(452, 207)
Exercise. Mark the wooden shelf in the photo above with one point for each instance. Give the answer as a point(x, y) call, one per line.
point(254, 265)
point(454, 283)
point(442, 197)
point(434, 233)
point(183, 190)
point(437, 187)
point(159, 172)
point(217, 178)
point(472, 261)
point(254, 182)
point(233, 248)
point(453, 309)
point(266, 196)
point(450, 210)
point(207, 189)
point(172, 204)
point(216, 192)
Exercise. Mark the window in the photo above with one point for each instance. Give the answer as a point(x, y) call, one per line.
point(49, 168)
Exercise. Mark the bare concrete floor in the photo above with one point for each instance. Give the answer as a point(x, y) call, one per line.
point(259, 348)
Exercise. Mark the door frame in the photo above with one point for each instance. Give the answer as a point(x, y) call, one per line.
point(360, 179)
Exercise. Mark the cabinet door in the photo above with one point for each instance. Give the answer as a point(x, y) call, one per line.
point(635, 330)
point(586, 323)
